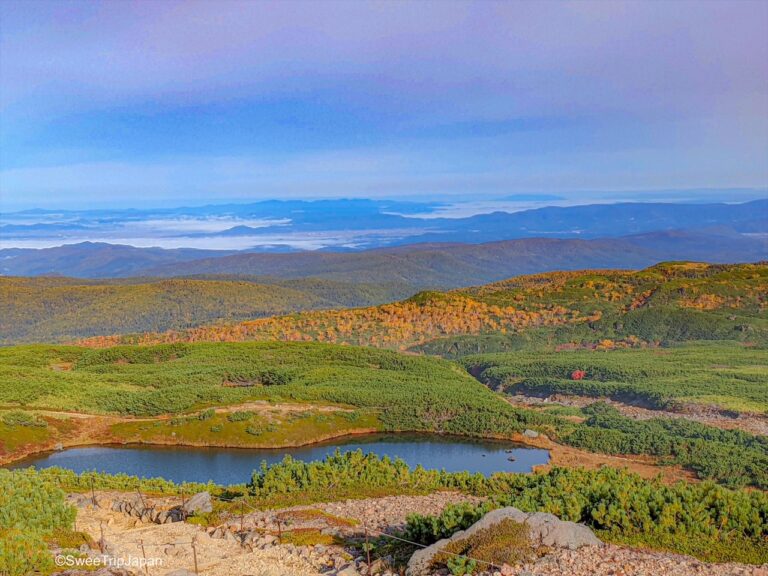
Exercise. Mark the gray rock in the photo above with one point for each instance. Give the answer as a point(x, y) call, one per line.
point(230, 537)
point(550, 531)
point(544, 530)
point(531, 433)
point(199, 503)
point(421, 560)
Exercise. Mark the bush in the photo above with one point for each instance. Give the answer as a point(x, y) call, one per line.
point(31, 509)
point(731, 457)
point(703, 519)
point(241, 416)
point(20, 418)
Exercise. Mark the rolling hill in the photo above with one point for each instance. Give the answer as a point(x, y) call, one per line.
point(92, 260)
point(665, 303)
point(50, 309)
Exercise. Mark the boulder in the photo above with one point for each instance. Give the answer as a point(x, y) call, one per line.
point(530, 433)
point(199, 503)
point(544, 530)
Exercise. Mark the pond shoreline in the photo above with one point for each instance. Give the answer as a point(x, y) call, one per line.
point(87, 442)
point(200, 464)
point(517, 439)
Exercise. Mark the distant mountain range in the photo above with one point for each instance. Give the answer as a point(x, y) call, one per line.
point(426, 265)
point(353, 225)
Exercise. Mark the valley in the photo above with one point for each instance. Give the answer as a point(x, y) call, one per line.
point(656, 375)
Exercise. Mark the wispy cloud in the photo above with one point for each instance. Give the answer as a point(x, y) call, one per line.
point(230, 98)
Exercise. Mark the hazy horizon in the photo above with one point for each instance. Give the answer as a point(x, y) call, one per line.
point(359, 223)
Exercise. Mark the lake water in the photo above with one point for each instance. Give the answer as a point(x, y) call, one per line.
point(234, 466)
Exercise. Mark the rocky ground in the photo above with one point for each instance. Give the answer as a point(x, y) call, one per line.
point(226, 550)
point(609, 560)
point(389, 513)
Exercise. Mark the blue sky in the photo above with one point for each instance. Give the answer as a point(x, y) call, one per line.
point(143, 103)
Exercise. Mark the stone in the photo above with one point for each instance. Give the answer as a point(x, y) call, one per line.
point(230, 537)
point(421, 560)
point(530, 433)
point(199, 503)
point(544, 530)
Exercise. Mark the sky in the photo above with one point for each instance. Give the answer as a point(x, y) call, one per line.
point(160, 103)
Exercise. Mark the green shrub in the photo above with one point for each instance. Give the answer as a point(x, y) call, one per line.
point(240, 416)
point(20, 418)
point(704, 519)
point(31, 509)
point(731, 457)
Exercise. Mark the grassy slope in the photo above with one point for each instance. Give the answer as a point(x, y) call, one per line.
point(408, 392)
point(728, 375)
point(267, 429)
point(382, 390)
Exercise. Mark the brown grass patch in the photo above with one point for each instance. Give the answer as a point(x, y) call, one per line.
point(507, 542)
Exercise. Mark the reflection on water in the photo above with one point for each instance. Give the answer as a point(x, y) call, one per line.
point(234, 466)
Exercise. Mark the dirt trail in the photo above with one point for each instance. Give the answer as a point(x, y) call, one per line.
point(568, 457)
point(264, 406)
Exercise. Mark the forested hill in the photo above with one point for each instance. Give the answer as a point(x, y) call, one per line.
point(665, 303)
point(454, 265)
point(55, 309)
